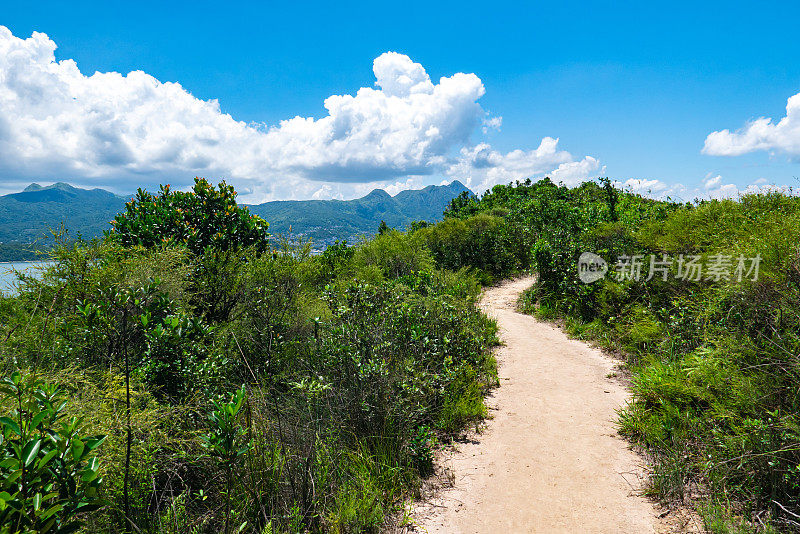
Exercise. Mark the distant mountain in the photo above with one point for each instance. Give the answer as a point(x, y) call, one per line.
point(30, 215)
point(327, 220)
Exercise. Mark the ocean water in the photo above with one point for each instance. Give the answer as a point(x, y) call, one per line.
point(8, 278)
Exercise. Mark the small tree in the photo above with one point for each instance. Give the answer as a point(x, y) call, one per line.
point(200, 218)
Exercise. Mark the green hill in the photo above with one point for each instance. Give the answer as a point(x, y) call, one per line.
point(327, 220)
point(30, 215)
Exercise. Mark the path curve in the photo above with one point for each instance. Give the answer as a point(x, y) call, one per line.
point(549, 459)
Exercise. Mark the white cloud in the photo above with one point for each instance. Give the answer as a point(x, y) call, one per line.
point(492, 123)
point(575, 172)
point(480, 167)
point(653, 188)
point(760, 134)
point(712, 188)
point(56, 123)
point(711, 182)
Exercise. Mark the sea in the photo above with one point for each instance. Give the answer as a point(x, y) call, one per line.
point(8, 279)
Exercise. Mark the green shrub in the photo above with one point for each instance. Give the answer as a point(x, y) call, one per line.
point(395, 253)
point(486, 243)
point(355, 363)
point(714, 361)
point(204, 217)
point(48, 476)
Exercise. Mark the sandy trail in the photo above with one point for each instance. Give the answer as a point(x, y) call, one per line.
point(549, 459)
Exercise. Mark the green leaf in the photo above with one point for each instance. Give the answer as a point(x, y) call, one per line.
point(46, 459)
point(93, 443)
point(10, 463)
point(50, 511)
point(48, 525)
point(10, 423)
point(88, 475)
point(51, 495)
point(30, 451)
point(77, 448)
point(10, 479)
point(38, 418)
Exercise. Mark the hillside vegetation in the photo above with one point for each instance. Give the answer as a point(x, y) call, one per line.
point(713, 353)
point(325, 221)
point(33, 214)
point(229, 382)
point(186, 374)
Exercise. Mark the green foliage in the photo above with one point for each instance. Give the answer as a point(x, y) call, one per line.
point(465, 204)
point(48, 476)
point(715, 368)
point(489, 244)
point(204, 217)
point(395, 254)
point(225, 439)
point(227, 442)
point(356, 362)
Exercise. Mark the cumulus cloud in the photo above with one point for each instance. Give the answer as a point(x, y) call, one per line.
point(480, 167)
point(715, 188)
point(133, 129)
point(760, 134)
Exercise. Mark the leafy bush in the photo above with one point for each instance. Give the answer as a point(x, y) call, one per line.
point(487, 243)
point(204, 217)
point(355, 362)
point(48, 476)
point(714, 361)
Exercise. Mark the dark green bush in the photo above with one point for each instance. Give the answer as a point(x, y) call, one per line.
point(203, 217)
point(354, 363)
point(49, 478)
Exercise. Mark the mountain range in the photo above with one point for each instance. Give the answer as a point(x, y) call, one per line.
point(31, 215)
point(327, 220)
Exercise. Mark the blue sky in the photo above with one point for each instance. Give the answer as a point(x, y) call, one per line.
point(638, 87)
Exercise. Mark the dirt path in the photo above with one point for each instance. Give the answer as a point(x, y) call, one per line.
point(550, 459)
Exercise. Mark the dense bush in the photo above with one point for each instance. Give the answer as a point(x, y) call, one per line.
point(200, 218)
point(354, 363)
point(493, 246)
point(49, 478)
